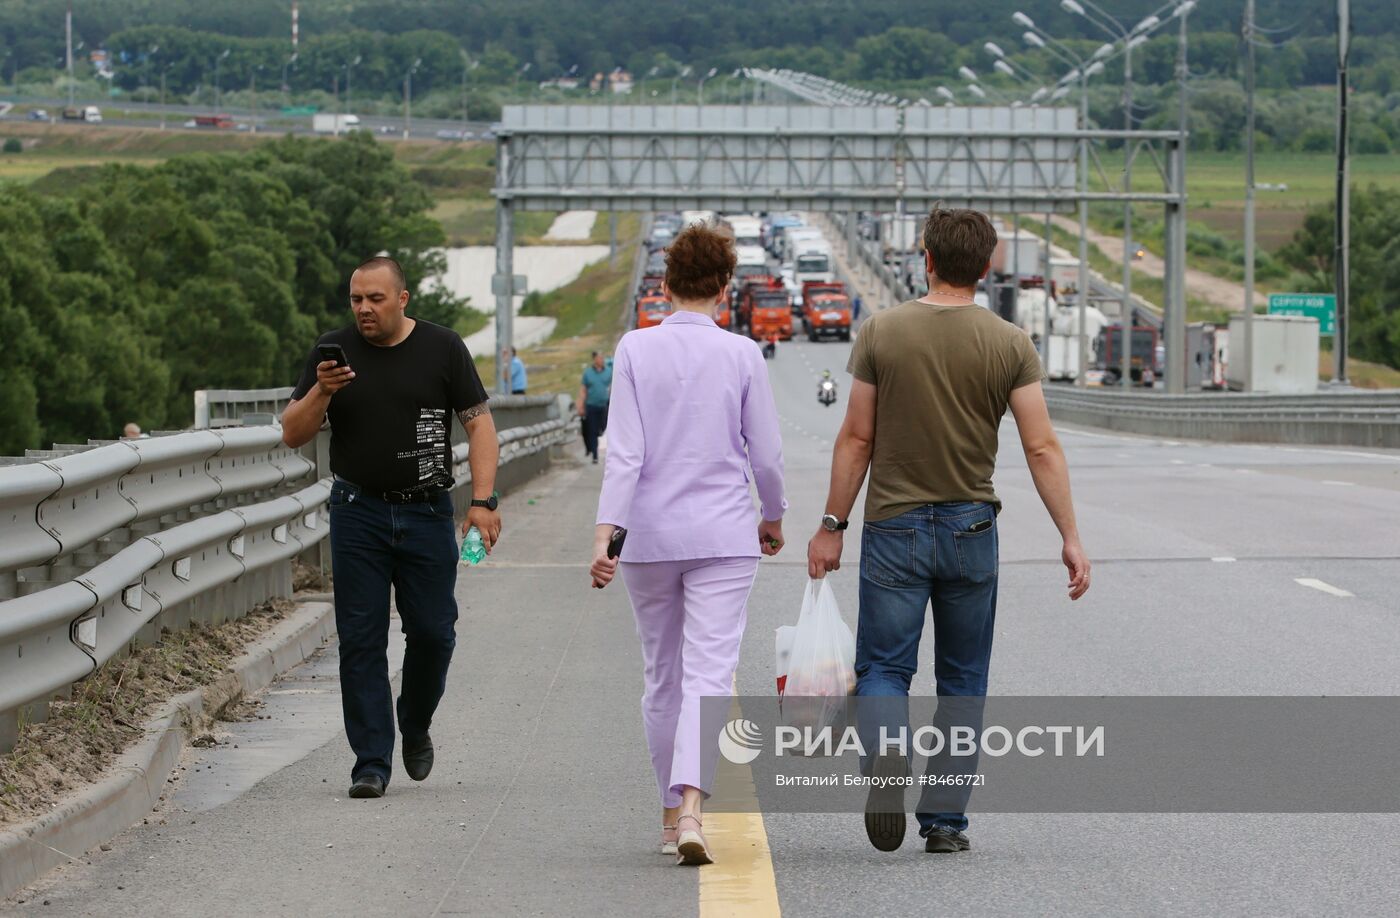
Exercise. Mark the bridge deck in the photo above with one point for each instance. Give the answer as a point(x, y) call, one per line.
point(540, 730)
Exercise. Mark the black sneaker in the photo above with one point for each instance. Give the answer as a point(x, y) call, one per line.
point(884, 806)
point(418, 757)
point(367, 787)
point(945, 841)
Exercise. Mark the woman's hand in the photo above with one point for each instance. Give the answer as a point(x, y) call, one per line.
point(770, 536)
point(604, 568)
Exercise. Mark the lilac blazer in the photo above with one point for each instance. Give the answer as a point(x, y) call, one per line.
point(691, 414)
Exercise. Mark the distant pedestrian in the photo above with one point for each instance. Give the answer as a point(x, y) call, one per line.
point(933, 378)
point(513, 371)
point(390, 407)
point(132, 431)
point(855, 309)
point(677, 480)
point(594, 393)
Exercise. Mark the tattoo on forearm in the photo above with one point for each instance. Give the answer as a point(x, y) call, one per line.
point(467, 415)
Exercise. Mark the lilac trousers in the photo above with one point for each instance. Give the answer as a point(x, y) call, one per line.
point(690, 618)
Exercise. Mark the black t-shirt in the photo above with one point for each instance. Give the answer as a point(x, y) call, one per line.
point(390, 425)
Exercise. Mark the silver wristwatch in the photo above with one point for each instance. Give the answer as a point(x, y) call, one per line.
point(832, 524)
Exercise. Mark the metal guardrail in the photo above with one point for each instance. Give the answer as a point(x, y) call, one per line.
point(98, 548)
point(868, 252)
point(1346, 418)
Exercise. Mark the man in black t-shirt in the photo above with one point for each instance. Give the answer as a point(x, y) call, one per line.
point(390, 406)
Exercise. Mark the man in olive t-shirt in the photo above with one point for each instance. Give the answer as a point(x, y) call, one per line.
point(932, 379)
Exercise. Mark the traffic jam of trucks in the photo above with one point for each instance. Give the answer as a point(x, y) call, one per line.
point(783, 284)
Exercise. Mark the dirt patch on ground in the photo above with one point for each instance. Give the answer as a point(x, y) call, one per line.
point(106, 713)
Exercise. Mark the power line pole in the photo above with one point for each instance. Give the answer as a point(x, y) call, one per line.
point(1247, 351)
point(1342, 259)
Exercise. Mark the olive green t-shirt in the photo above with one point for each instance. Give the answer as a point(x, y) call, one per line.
point(943, 377)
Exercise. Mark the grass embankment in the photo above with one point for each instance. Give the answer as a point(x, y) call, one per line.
point(1150, 289)
point(107, 712)
point(592, 313)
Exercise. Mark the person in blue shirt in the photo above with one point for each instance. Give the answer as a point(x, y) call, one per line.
point(513, 371)
point(593, 395)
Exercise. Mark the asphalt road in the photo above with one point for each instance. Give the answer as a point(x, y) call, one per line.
point(542, 801)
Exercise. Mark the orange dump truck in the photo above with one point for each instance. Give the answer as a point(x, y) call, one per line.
point(652, 309)
point(769, 309)
point(826, 310)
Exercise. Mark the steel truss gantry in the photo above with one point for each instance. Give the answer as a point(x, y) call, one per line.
point(829, 158)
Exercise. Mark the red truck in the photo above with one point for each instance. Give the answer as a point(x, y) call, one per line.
point(767, 308)
point(826, 310)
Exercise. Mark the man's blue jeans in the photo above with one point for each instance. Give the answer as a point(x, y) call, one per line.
point(928, 554)
point(413, 548)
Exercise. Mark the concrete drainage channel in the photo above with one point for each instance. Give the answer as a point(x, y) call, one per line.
point(138, 777)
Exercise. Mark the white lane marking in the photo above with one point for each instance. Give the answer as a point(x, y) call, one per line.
point(1321, 585)
point(1202, 465)
point(1223, 559)
point(1247, 471)
point(1333, 481)
point(1123, 455)
point(1178, 462)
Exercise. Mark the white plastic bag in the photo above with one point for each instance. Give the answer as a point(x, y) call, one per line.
point(820, 661)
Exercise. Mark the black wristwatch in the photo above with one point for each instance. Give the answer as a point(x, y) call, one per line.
point(489, 503)
point(832, 524)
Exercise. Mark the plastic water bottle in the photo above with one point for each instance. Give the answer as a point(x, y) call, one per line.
point(473, 548)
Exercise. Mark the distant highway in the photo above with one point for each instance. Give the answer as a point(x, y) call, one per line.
point(124, 114)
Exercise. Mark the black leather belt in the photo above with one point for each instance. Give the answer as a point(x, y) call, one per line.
point(399, 497)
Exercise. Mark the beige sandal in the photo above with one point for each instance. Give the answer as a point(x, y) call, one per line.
point(668, 839)
point(691, 850)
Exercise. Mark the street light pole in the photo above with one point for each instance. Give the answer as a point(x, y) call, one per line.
point(1176, 330)
point(1247, 349)
point(683, 72)
point(218, 94)
point(408, 98)
point(1342, 258)
point(253, 98)
point(349, 70)
point(68, 32)
point(700, 96)
point(1082, 71)
point(286, 87)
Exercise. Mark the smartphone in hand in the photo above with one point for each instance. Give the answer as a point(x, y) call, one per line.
point(615, 543)
point(333, 352)
point(619, 536)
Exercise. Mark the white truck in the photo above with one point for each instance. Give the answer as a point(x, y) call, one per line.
point(748, 231)
point(812, 262)
point(334, 124)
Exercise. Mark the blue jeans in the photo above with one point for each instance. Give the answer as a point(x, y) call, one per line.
point(413, 548)
point(595, 424)
point(928, 555)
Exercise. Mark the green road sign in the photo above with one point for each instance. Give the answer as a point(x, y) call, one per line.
point(299, 110)
point(1321, 306)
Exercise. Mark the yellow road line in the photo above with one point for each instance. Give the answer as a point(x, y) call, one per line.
point(741, 881)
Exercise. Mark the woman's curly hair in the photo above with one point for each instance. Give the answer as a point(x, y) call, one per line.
point(699, 263)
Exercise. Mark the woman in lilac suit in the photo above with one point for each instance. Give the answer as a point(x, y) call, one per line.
point(691, 414)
